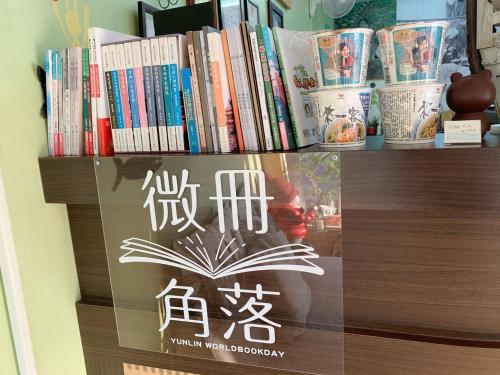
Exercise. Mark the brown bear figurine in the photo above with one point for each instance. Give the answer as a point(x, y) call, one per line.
point(470, 96)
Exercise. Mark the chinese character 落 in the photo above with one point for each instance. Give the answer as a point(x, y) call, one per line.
point(186, 310)
point(256, 308)
point(171, 196)
point(247, 198)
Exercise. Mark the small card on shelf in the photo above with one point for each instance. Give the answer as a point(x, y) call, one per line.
point(462, 132)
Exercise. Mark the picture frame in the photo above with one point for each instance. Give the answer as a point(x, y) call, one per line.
point(231, 13)
point(252, 13)
point(275, 16)
point(146, 23)
point(216, 13)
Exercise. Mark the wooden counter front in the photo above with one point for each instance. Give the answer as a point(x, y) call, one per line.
point(421, 260)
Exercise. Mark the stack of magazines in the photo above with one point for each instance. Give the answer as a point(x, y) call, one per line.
point(239, 89)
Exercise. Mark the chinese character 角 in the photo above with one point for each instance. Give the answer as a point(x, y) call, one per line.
point(186, 310)
point(256, 308)
point(171, 196)
point(247, 198)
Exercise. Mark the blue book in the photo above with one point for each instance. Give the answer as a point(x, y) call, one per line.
point(192, 127)
point(134, 107)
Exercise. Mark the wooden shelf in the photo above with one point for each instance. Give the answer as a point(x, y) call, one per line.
point(420, 258)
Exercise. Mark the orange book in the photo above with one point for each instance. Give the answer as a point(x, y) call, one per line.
point(232, 91)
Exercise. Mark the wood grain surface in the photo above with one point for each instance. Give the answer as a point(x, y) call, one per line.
point(421, 260)
point(363, 355)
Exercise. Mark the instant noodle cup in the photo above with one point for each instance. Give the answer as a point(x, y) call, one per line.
point(412, 52)
point(341, 57)
point(410, 114)
point(341, 116)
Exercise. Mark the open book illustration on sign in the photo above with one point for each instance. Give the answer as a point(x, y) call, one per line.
point(195, 258)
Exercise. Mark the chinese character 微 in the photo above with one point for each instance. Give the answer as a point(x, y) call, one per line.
point(256, 308)
point(246, 197)
point(172, 198)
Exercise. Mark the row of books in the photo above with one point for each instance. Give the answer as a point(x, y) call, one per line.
point(242, 88)
point(68, 105)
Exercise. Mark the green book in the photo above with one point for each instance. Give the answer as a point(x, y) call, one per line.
point(269, 88)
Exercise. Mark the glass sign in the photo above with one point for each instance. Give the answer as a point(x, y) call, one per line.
point(234, 258)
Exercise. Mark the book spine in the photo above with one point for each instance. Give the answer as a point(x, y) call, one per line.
point(214, 39)
point(158, 89)
point(198, 41)
point(72, 77)
point(183, 63)
point(80, 143)
point(94, 89)
point(167, 93)
point(261, 91)
point(66, 105)
point(285, 126)
point(285, 85)
point(141, 98)
point(60, 101)
point(56, 66)
point(87, 122)
point(149, 93)
point(205, 53)
point(106, 61)
point(232, 91)
point(115, 79)
point(242, 87)
point(128, 136)
point(173, 55)
point(49, 102)
point(132, 96)
point(187, 95)
point(266, 76)
point(196, 93)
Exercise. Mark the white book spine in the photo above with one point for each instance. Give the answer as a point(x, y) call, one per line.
point(266, 123)
point(214, 51)
point(146, 64)
point(210, 99)
point(122, 71)
point(80, 136)
point(122, 138)
point(242, 88)
point(141, 100)
point(132, 93)
point(49, 101)
point(72, 100)
point(157, 59)
point(67, 105)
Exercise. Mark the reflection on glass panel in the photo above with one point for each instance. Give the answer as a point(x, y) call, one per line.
point(233, 258)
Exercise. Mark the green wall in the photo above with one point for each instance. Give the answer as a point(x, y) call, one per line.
point(8, 363)
point(297, 18)
point(41, 231)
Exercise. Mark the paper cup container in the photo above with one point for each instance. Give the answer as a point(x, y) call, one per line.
point(341, 57)
point(410, 114)
point(341, 116)
point(412, 52)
